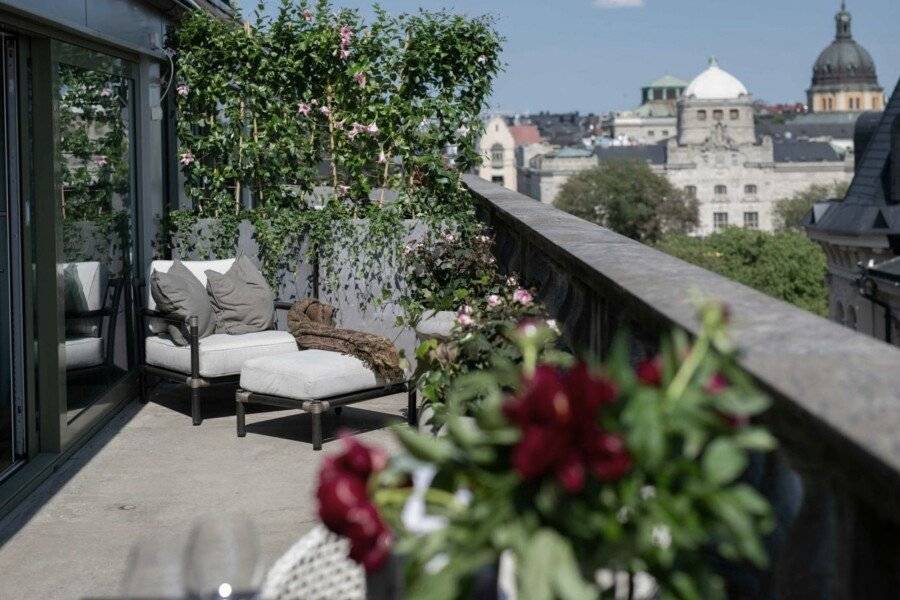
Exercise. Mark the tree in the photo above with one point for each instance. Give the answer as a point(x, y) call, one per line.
point(629, 198)
point(789, 212)
point(784, 264)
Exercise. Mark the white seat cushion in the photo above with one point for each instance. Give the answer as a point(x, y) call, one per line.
point(220, 354)
point(83, 352)
point(308, 375)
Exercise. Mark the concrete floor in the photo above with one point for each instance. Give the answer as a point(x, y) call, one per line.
point(148, 475)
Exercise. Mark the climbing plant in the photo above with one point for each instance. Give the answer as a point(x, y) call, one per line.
point(314, 96)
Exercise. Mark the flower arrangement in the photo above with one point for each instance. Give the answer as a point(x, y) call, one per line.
point(576, 473)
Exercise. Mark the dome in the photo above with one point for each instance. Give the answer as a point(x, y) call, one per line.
point(844, 61)
point(715, 84)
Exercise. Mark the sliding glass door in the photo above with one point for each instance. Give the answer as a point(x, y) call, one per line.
point(12, 345)
point(94, 128)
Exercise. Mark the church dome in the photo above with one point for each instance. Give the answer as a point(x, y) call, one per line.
point(715, 84)
point(844, 62)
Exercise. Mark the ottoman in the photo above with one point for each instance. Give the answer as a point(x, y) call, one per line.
point(314, 381)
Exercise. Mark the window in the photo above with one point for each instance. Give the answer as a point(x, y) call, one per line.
point(498, 179)
point(751, 220)
point(718, 114)
point(734, 114)
point(720, 221)
point(750, 190)
point(651, 133)
point(497, 156)
point(701, 115)
point(721, 192)
point(665, 132)
point(690, 191)
point(876, 103)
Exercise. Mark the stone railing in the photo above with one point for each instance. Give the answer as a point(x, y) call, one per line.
point(835, 481)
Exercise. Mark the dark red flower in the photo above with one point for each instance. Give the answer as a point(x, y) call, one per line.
point(717, 384)
point(649, 372)
point(558, 412)
point(344, 504)
point(337, 497)
point(359, 459)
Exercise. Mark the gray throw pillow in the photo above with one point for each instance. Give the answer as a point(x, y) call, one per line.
point(241, 298)
point(179, 293)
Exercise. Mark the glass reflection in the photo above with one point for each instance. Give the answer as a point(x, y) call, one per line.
point(93, 113)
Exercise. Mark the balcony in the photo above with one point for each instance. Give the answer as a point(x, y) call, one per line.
point(835, 482)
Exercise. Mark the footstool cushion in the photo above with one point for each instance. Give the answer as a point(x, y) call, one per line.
point(308, 375)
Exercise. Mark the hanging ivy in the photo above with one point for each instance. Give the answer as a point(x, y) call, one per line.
point(316, 96)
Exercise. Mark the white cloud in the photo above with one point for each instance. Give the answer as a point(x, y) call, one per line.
point(618, 3)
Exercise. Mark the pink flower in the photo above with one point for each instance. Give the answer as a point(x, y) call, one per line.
point(494, 300)
point(346, 35)
point(449, 238)
point(183, 90)
point(344, 54)
point(511, 280)
point(356, 129)
point(308, 16)
point(372, 128)
point(361, 79)
point(325, 110)
point(343, 190)
point(464, 319)
point(382, 157)
point(101, 161)
point(523, 297)
point(105, 92)
point(303, 108)
point(186, 158)
point(465, 310)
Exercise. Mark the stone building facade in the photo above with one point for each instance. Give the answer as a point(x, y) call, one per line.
point(654, 120)
point(545, 174)
point(716, 156)
point(844, 76)
point(861, 232)
point(500, 149)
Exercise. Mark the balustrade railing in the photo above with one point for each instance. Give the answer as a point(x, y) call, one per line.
point(835, 480)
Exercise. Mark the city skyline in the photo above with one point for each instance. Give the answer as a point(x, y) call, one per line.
point(594, 55)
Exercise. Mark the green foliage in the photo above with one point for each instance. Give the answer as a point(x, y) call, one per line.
point(318, 96)
point(629, 198)
point(789, 212)
point(93, 163)
point(785, 265)
point(681, 502)
point(445, 270)
point(475, 347)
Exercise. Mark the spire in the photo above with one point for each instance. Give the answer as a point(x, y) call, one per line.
point(713, 62)
point(842, 21)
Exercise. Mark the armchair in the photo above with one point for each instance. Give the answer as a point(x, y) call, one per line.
point(214, 360)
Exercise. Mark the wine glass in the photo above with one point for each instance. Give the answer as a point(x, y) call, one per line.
point(154, 570)
point(222, 558)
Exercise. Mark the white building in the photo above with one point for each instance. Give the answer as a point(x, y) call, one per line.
point(716, 156)
point(504, 148)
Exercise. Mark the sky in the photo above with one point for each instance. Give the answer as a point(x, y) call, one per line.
point(594, 55)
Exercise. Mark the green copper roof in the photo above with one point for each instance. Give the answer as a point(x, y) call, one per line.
point(667, 81)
